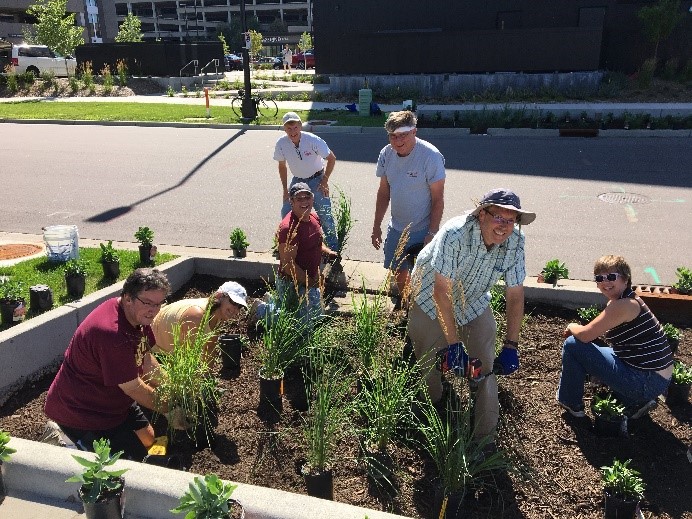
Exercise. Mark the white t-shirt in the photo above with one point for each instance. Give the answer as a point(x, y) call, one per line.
point(306, 159)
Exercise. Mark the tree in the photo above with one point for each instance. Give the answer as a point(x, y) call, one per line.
point(222, 39)
point(304, 44)
point(233, 31)
point(130, 30)
point(55, 28)
point(659, 20)
point(255, 42)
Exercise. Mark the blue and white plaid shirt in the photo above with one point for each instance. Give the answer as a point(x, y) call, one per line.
point(458, 253)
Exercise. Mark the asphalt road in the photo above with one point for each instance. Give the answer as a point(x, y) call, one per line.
point(628, 196)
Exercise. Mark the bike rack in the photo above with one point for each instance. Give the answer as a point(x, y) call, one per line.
point(193, 62)
point(215, 62)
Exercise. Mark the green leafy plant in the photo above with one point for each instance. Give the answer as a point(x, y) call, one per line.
point(11, 289)
point(671, 332)
point(554, 271)
point(607, 406)
point(283, 336)
point(208, 498)
point(684, 282)
point(588, 314)
point(108, 253)
point(144, 236)
point(329, 413)
point(238, 239)
point(75, 267)
point(343, 220)
point(98, 482)
point(621, 481)
point(460, 459)
point(189, 384)
point(121, 68)
point(5, 451)
point(682, 374)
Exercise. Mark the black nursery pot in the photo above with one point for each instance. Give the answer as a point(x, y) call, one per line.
point(617, 508)
point(454, 508)
point(239, 253)
point(111, 506)
point(40, 298)
point(75, 286)
point(111, 269)
point(145, 254)
point(270, 394)
point(231, 348)
point(203, 435)
point(677, 394)
point(320, 484)
point(610, 427)
point(7, 308)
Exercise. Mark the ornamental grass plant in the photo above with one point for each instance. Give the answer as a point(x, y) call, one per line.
point(187, 381)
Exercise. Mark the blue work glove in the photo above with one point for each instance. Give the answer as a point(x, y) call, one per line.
point(452, 357)
point(507, 360)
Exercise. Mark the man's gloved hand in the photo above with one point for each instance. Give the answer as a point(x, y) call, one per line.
point(177, 419)
point(453, 357)
point(507, 360)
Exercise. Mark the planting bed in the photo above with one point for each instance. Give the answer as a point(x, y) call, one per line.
point(556, 457)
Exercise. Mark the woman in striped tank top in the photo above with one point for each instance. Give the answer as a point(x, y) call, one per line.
point(636, 364)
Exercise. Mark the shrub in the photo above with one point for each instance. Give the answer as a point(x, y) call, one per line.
point(684, 282)
point(87, 75)
point(238, 239)
point(554, 271)
point(144, 236)
point(107, 79)
point(646, 73)
point(121, 67)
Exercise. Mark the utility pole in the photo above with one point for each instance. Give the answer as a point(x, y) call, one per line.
point(248, 108)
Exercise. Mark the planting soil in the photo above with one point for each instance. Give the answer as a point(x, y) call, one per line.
point(555, 458)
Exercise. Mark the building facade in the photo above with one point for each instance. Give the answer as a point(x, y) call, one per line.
point(14, 20)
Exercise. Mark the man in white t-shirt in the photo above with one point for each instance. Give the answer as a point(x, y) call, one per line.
point(311, 161)
point(288, 58)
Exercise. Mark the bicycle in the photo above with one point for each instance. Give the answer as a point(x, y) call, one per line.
point(265, 107)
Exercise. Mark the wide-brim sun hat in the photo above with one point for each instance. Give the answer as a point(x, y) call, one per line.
point(507, 199)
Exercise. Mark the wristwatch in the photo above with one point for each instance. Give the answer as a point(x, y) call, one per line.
point(514, 344)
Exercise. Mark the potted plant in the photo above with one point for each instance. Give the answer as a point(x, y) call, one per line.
point(684, 283)
point(190, 386)
point(12, 302)
point(679, 388)
point(102, 489)
point(239, 242)
point(343, 220)
point(209, 498)
point(460, 460)
point(5, 452)
point(623, 488)
point(325, 423)
point(145, 237)
point(75, 278)
point(283, 335)
point(231, 347)
point(673, 335)
point(609, 415)
point(110, 260)
point(553, 272)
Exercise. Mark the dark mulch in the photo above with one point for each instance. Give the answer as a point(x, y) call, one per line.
point(557, 458)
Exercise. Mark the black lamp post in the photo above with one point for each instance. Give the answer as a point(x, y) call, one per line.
point(196, 22)
point(248, 108)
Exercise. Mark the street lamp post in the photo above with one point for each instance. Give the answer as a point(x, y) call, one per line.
point(248, 108)
point(196, 22)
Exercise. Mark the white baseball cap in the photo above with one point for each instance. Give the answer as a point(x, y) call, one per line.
point(235, 292)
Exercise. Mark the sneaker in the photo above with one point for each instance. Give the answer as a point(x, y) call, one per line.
point(639, 411)
point(577, 412)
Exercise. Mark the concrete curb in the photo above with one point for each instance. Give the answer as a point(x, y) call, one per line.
point(37, 472)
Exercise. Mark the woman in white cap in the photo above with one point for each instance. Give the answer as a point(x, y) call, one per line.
point(225, 304)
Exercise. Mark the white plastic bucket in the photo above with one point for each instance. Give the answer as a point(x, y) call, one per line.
point(62, 242)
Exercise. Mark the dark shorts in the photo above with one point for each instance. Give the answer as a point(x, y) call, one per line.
point(122, 437)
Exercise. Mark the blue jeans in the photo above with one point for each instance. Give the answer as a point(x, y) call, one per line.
point(323, 208)
point(633, 387)
point(310, 310)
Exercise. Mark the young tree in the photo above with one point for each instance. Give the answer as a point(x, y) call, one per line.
point(54, 27)
point(222, 39)
point(130, 30)
point(659, 20)
point(304, 44)
point(255, 42)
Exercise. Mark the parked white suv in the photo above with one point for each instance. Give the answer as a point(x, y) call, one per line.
point(39, 58)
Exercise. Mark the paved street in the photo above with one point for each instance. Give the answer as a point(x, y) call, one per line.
point(193, 185)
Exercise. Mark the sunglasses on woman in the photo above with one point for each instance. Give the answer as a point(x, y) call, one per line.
point(599, 278)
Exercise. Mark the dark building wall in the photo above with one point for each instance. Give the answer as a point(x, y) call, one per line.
point(412, 36)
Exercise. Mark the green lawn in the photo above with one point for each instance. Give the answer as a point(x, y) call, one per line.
point(40, 271)
point(161, 112)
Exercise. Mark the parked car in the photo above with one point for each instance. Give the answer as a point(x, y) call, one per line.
point(278, 63)
point(233, 62)
point(304, 60)
point(39, 58)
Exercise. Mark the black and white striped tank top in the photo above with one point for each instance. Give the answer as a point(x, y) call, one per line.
point(641, 343)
